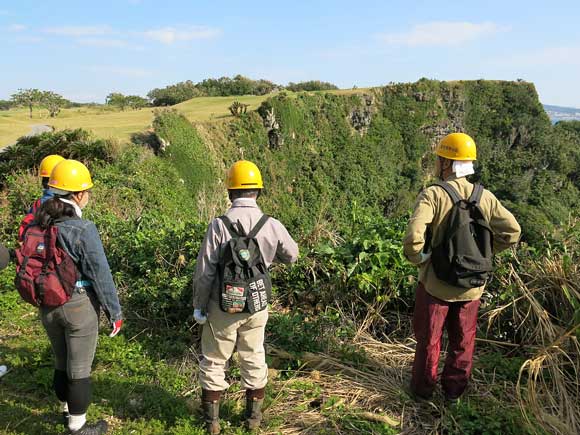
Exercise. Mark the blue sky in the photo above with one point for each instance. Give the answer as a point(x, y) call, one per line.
point(85, 50)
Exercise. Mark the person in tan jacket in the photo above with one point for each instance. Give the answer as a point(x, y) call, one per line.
point(439, 304)
point(223, 332)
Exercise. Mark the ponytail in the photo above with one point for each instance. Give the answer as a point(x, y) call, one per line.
point(51, 210)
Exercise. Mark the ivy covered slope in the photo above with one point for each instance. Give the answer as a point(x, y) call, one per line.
point(328, 156)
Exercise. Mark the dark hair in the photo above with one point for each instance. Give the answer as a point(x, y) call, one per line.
point(243, 193)
point(52, 210)
point(45, 181)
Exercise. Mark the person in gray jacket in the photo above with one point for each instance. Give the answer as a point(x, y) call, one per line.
point(223, 331)
point(73, 327)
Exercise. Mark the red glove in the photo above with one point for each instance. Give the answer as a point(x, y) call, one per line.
point(116, 328)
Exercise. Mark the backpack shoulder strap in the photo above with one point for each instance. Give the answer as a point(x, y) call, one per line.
point(230, 226)
point(476, 194)
point(450, 191)
point(258, 226)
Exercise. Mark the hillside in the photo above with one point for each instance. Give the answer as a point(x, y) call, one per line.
point(106, 122)
point(342, 171)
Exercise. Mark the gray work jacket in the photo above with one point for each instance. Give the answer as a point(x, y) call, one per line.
point(276, 246)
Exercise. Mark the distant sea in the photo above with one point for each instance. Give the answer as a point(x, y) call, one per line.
point(559, 113)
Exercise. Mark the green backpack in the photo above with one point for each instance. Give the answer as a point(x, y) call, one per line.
point(245, 283)
point(464, 256)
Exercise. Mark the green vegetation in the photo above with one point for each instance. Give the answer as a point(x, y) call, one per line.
point(109, 122)
point(121, 101)
point(225, 87)
point(5, 104)
point(343, 175)
point(311, 85)
point(33, 97)
point(222, 87)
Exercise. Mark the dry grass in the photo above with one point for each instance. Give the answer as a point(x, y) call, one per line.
point(548, 387)
point(546, 315)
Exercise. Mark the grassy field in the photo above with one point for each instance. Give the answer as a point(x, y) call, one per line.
point(108, 123)
point(141, 391)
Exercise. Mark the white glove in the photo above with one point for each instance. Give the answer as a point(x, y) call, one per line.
point(199, 316)
point(425, 257)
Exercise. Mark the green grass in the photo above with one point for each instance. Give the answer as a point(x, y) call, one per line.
point(137, 389)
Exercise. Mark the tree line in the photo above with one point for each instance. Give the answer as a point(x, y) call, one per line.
point(226, 86)
point(30, 98)
point(167, 96)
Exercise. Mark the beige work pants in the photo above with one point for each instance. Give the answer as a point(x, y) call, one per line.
point(222, 334)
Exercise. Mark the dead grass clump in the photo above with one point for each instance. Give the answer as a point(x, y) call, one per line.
point(546, 317)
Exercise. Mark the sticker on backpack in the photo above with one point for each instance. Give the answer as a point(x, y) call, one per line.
point(233, 298)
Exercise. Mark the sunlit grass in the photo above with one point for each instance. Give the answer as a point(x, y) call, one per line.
point(107, 123)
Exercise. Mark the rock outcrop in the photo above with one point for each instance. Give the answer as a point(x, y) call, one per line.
point(272, 125)
point(360, 117)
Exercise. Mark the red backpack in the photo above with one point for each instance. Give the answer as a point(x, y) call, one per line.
point(28, 219)
point(45, 273)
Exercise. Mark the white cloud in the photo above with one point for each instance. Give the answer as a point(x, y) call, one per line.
point(16, 28)
point(79, 31)
point(442, 33)
point(169, 35)
point(121, 71)
point(109, 43)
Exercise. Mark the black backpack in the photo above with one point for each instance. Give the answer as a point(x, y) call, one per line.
point(464, 256)
point(245, 283)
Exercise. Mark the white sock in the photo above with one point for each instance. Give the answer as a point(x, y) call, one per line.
point(75, 422)
point(64, 407)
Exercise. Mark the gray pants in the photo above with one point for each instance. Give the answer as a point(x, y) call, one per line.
point(72, 329)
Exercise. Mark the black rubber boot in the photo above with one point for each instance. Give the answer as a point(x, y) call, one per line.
point(210, 405)
point(99, 428)
point(254, 402)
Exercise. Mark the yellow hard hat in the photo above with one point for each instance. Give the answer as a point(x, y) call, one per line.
point(457, 146)
point(48, 164)
point(70, 176)
point(244, 175)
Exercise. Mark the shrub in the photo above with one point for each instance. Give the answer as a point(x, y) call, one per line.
point(222, 87)
point(311, 85)
point(72, 144)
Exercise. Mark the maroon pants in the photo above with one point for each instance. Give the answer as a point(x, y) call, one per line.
point(430, 317)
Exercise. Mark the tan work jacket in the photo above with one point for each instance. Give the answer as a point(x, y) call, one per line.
point(276, 246)
point(433, 205)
